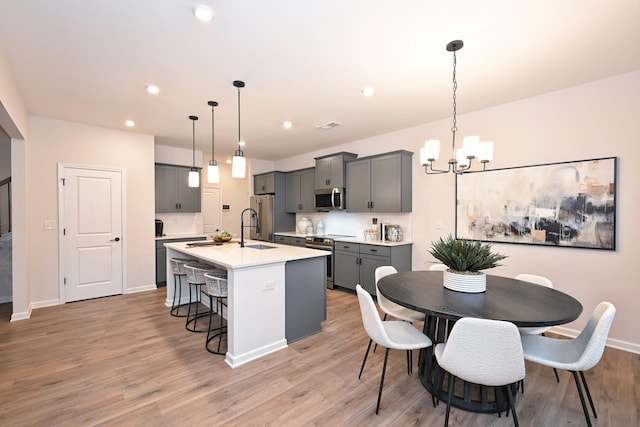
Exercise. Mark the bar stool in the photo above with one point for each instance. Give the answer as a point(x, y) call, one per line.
point(177, 267)
point(195, 278)
point(216, 289)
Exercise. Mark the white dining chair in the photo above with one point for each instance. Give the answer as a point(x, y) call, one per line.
point(391, 308)
point(485, 352)
point(574, 355)
point(438, 267)
point(392, 334)
point(538, 280)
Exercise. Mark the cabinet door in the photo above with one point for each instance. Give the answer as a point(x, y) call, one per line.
point(307, 190)
point(359, 190)
point(161, 266)
point(323, 173)
point(292, 185)
point(283, 240)
point(166, 189)
point(346, 269)
point(368, 265)
point(386, 183)
point(264, 184)
point(188, 197)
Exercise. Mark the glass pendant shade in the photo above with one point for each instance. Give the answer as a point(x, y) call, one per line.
point(471, 145)
point(213, 174)
point(194, 178)
point(430, 151)
point(463, 160)
point(239, 165)
point(485, 151)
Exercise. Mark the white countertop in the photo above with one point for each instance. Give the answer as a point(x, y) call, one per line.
point(181, 236)
point(232, 256)
point(290, 234)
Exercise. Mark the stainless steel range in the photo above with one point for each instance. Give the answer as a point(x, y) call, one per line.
point(325, 243)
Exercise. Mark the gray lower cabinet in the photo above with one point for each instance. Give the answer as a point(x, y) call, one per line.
point(305, 297)
point(161, 258)
point(380, 183)
point(356, 263)
point(172, 190)
point(290, 240)
point(300, 189)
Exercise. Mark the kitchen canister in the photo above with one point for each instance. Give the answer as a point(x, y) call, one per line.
point(394, 233)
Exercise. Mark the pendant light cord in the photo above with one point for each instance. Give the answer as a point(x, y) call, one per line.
point(454, 128)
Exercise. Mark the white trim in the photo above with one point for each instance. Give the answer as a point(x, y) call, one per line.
point(46, 303)
point(144, 288)
point(21, 316)
point(241, 359)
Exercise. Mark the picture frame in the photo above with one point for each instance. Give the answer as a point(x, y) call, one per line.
point(567, 204)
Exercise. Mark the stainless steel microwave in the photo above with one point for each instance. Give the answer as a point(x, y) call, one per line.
point(330, 199)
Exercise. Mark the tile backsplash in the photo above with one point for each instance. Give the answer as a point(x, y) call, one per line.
point(354, 224)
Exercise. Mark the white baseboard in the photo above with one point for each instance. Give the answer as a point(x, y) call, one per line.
point(613, 343)
point(48, 303)
point(144, 288)
point(21, 316)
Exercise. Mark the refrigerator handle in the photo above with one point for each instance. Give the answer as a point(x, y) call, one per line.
point(258, 217)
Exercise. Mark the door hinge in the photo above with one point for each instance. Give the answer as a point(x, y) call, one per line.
point(64, 231)
point(64, 180)
point(64, 280)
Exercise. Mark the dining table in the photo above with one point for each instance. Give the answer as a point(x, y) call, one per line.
point(524, 304)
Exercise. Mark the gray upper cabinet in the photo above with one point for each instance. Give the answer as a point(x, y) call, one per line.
point(330, 170)
point(264, 183)
point(380, 183)
point(300, 187)
point(173, 193)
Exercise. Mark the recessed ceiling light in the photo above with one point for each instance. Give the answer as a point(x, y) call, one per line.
point(367, 91)
point(287, 125)
point(153, 89)
point(129, 123)
point(204, 13)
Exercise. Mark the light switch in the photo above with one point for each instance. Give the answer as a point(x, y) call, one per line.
point(49, 224)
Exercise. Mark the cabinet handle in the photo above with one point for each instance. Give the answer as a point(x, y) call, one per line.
point(328, 181)
point(374, 250)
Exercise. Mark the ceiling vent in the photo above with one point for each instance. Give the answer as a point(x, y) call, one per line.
point(328, 126)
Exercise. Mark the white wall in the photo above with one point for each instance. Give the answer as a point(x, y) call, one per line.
point(589, 121)
point(55, 141)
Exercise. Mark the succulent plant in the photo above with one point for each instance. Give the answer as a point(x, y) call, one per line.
point(465, 255)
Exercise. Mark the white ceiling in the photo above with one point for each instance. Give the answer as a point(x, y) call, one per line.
point(89, 61)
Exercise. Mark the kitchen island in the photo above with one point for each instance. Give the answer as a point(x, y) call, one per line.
point(277, 293)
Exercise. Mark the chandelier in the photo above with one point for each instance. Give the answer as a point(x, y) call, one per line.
point(460, 160)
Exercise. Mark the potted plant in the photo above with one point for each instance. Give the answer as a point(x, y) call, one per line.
point(465, 259)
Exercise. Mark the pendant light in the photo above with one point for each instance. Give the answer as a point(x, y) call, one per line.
point(213, 172)
point(194, 175)
point(239, 164)
point(460, 160)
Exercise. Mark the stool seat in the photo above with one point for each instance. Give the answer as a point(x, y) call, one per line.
point(178, 270)
point(217, 290)
point(195, 277)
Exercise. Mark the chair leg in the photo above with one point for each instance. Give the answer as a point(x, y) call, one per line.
point(555, 371)
point(586, 387)
point(384, 368)
point(409, 362)
point(584, 405)
point(507, 389)
point(365, 358)
point(451, 385)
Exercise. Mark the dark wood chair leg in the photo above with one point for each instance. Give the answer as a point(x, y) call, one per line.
point(507, 389)
point(451, 385)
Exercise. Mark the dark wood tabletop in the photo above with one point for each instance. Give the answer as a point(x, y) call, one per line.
point(522, 303)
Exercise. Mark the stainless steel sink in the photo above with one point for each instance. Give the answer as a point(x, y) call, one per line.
point(259, 246)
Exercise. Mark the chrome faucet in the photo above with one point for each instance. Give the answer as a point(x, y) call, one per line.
point(255, 215)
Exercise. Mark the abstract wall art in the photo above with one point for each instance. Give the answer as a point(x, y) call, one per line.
point(570, 204)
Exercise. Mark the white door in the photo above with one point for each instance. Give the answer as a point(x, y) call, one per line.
point(91, 254)
point(211, 210)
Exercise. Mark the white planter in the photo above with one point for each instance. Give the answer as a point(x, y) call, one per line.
point(470, 283)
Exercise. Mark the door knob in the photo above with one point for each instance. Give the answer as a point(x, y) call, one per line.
point(117, 239)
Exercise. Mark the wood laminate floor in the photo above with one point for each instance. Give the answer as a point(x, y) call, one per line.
point(123, 361)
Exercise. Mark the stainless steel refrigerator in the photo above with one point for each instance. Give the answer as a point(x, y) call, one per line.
point(263, 226)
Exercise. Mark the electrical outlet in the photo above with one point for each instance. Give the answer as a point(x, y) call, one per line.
point(268, 285)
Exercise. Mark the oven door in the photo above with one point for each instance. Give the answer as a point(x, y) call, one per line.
point(329, 261)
